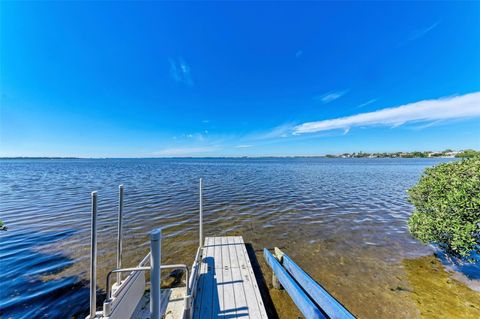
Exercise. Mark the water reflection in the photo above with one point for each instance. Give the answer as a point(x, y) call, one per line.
point(30, 288)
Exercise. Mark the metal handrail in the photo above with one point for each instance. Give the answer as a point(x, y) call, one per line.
point(115, 271)
point(120, 231)
point(195, 270)
point(145, 260)
point(93, 253)
point(93, 257)
point(200, 212)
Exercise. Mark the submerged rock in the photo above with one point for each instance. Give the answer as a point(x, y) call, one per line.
point(173, 279)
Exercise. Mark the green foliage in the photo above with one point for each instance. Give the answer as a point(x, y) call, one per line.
point(447, 206)
point(468, 154)
point(419, 154)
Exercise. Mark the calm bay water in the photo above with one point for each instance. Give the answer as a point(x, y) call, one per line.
point(343, 220)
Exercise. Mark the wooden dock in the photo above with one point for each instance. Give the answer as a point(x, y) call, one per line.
point(227, 287)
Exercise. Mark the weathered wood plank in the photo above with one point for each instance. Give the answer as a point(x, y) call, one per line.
point(256, 308)
point(205, 288)
point(218, 252)
point(228, 287)
point(219, 274)
point(234, 262)
point(237, 282)
point(229, 307)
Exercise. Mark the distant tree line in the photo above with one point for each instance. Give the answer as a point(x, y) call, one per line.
point(468, 154)
point(36, 158)
point(416, 154)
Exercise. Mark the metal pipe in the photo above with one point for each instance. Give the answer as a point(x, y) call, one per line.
point(155, 275)
point(145, 260)
point(200, 195)
point(192, 280)
point(120, 233)
point(93, 258)
point(117, 271)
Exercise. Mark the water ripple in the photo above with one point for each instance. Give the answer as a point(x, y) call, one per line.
point(347, 206)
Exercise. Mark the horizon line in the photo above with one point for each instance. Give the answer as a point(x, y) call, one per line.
point(220, 156)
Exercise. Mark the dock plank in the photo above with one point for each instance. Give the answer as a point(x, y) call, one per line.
point(229, 307)
point(227, 287)
point(256, 308)
point(237, 282)
point(205, 287)
point(219, 274)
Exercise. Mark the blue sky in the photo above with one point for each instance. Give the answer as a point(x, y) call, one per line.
point(125, 79)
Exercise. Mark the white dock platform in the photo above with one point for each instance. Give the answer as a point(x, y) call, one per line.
point(227, 287)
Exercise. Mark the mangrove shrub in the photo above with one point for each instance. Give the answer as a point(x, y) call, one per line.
point(468, 153)
point(447, 206)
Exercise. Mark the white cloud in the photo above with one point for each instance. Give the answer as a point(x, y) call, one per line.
point(279, 131)
point(243, 146)
point(419, 33)
point(185, 151)
point(367, 103)
point(427, 125)
point(330, 96)
point(422, 32)
point(180, 71)
point(464, 106)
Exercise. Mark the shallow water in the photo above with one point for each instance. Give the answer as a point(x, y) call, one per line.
point(343, 220)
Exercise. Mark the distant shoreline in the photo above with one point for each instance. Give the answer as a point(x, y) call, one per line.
point(416, 154)
point(39, 158)
point(221, 157)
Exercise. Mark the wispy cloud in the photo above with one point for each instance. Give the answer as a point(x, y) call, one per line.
point(199, 137)
point(419, 33)
point(243, 146)
point(180, 71)
point(279, 131)
point(367, 103)
point(424, 126)
point(446, 108)
point(185, 151)
point(330, 96)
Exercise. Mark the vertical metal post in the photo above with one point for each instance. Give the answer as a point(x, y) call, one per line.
point(120, 233)
point(200, 194)
point(155, 273)
point(93, 258)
